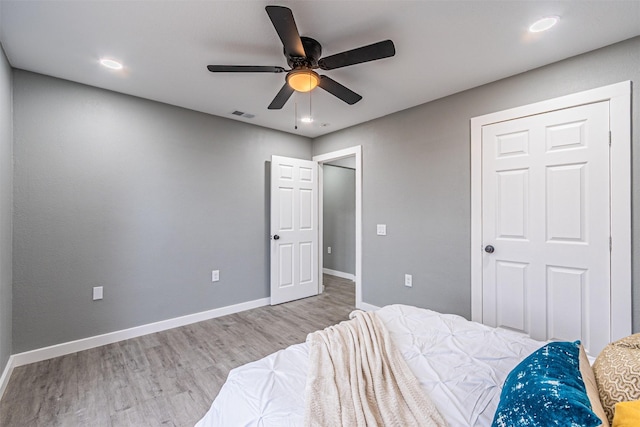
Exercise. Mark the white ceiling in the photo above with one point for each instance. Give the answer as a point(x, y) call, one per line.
point(443, 47)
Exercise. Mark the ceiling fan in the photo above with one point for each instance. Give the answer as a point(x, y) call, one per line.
point(303, 56)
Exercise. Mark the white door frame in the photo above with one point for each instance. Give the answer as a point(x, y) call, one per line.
point(330, 157)
point(619, 97)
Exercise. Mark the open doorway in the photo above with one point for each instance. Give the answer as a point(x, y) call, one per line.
point(338, 227)
point(339, 218)
point(347, 250)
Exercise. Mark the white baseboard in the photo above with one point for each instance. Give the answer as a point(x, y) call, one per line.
point(367, 307)
point(6, 374)
point(125, 334)
point(336, 273)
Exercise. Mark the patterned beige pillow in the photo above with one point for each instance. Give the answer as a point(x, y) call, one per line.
point(617, 372)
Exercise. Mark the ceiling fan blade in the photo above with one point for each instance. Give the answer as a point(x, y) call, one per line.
point(336, 89)
point(372, 52)
point(244, 69)
point(282, 19)
point(281, 98)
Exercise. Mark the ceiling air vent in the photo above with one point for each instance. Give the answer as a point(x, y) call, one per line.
point(243, 114)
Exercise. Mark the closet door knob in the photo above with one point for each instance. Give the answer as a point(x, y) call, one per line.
point(276, 237)
point(489, 249)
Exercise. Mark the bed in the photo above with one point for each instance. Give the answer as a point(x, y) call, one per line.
point(471, 374)
point(460, 365)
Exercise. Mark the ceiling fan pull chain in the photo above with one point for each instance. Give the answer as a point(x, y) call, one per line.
point(310, 116)
point(295, 115)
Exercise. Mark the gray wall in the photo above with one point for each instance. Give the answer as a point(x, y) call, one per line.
point(142, 198)
point(146, 199)
point(339, 218)
point(6, 208)
point(416, 179)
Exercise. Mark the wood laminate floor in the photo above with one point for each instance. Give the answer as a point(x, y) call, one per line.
point(168, 378)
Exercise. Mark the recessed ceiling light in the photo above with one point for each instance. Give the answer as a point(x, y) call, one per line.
point(544, 24)
point(110, 63)
point(306, 120)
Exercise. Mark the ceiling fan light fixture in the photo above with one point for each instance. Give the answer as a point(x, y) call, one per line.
point(303, 80)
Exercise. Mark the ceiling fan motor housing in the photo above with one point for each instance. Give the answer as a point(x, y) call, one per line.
point(312, 49)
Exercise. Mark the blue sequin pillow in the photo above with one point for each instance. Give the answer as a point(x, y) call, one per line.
point(546, 389)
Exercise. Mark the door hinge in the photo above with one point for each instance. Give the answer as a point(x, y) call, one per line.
point(609, 138)
point(610, 244)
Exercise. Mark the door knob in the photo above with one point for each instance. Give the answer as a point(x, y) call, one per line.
point(489, 249)
point(276, 237)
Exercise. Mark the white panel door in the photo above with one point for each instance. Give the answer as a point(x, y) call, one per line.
point(546, 211)
point(294, 229)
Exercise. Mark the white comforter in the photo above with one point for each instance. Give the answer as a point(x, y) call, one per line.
point(461, 365)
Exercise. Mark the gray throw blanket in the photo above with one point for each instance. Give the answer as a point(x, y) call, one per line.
point(358, 378)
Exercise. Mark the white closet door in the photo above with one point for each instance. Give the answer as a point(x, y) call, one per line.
point(546, 216)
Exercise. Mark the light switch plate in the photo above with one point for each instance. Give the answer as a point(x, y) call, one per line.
point(97, 293)
point(381, 229)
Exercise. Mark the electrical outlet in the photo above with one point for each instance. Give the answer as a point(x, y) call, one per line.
point(97, 293)
point(381, 229)
point(215, 275)
point(408, 280)
point(328, 249)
